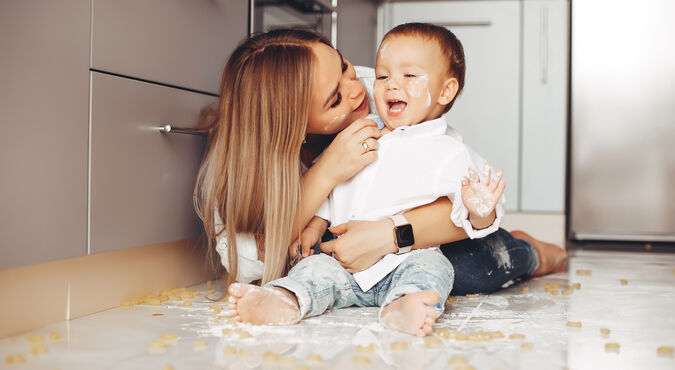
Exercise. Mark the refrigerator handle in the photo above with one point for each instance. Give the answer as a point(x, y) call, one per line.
point(543, 45)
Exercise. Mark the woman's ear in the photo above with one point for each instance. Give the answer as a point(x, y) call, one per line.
point(448, 91)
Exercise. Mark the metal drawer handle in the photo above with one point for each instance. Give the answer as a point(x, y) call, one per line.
point(168, 129)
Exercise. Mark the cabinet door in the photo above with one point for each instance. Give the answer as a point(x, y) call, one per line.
point(141, 179)
point(177, 42)
point(486, 112)
point(545, 55)
point(44, 95)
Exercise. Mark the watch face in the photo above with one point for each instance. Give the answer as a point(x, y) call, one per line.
point(404, 236)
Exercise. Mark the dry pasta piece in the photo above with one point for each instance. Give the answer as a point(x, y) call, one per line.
point(527, 345)
point(451, 299)
point(163, 298)
point(525, 289)
point(517, 336)
point(497, 335)
point(168, 367)
point(54, 336)
point(288, 360)
point(574, 324)
point(153, 301)
point(187, 303)
point(243, 334)
point(209, 283)
point(14, 360)
point(127, 304)
point(157, 347)
point(612, 347)
point(372, 347)
point(210, 291)
point(430, 342)
point(245, 353)
point(361, 360)
point(271, 357)
point(455, 361)
point(35, 339)
point(314, 357)
point(576, 286)
point(169, 338)
point(624, 282)
point(228, 351)
point(199, 344)
point(604, 331)
point(665, 351)
point(38, 349)
point(472, 295)
point(399, 346)
point(555, 292)
point(157, 314)
point(176, 298)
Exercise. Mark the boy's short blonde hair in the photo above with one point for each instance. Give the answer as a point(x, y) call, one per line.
point(450, 46)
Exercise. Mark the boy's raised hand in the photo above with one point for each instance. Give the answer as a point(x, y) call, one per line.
point(481, 193)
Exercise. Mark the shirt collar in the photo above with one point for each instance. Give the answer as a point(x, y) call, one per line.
point(435, 127)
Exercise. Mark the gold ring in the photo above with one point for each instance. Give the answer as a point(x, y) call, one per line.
point(366, 148)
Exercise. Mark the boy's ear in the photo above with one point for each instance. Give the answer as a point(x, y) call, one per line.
point(448, 91)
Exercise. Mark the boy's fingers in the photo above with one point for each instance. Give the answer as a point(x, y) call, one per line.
point(496, 179)
point(473, 176)
point(485, 175)
point(306, 247)
point(500, 189)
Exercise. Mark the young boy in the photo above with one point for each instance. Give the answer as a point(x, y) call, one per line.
point(420, 70)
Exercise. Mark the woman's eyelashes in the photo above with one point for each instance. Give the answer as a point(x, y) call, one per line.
point(344, 66)
point(337, 101)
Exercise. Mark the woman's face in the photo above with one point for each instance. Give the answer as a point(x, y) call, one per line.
point(338, 98)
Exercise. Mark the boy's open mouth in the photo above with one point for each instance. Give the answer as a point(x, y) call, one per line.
point(395, 107)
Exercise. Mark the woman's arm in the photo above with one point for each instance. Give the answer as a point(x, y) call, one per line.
point(343, 158)
point(362, 243)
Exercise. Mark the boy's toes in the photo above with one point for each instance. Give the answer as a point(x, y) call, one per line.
point(236, 291)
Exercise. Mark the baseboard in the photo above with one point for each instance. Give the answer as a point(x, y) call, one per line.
point(36, 295)
point(549, 227)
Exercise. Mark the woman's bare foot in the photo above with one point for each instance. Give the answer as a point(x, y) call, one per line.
point(551, 257)
point(411, 313)
point(263, 306)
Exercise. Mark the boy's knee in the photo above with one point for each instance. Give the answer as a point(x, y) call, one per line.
point(318, 265)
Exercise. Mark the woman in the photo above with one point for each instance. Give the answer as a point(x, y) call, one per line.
point(287, 95)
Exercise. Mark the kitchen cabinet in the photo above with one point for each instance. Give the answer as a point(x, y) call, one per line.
point(141, 179)
point(513, 110)
point(487, 111)
point(175, 42)
point(44, 99)
point(544, 120)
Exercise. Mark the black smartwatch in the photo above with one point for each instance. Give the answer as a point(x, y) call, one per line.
point(403, 234)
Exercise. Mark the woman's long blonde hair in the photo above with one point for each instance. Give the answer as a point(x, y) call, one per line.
point(251, 172)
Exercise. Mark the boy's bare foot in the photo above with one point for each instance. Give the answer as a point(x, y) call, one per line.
point(551, 257)
point(411, 313)
point(263, 306)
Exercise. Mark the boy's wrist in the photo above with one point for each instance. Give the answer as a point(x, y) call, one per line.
point(479, 222)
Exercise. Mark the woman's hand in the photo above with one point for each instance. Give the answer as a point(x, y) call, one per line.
point(361, 243)
point(347, 154)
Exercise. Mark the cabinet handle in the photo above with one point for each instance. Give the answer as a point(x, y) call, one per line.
point(168, 129)
point(465, 24)
point(543, 45)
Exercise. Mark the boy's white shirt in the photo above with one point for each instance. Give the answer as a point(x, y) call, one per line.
point(250, 268)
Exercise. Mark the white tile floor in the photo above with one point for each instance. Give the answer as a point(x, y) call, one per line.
point(640, 315)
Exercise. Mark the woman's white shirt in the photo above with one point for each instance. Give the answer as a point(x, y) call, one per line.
point(249, 268)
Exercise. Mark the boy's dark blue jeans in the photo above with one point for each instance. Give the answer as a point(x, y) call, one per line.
point(484, 265)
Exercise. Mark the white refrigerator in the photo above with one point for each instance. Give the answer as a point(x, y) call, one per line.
point(622, 120)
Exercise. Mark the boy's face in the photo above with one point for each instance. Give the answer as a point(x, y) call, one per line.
point(410, 72)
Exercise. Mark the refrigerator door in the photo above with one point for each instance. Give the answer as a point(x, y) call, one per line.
point(622, 120)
